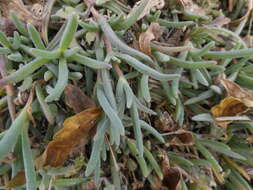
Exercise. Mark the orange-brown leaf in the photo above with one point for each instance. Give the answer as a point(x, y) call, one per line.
point(75, 130)
point(154, 32)
point(17, 180)
point(76, 99)
point(229, 106)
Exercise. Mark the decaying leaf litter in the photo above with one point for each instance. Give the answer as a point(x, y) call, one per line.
point(117, 94)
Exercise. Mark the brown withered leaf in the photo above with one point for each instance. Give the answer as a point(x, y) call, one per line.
point(76, 99)
point(158, 4)
point(237, 102)
point(172, 177)
point(75, 130)
point(154, 32)
point(181, 138)
point(17, 180)
point(229, 106)
point(236, 91)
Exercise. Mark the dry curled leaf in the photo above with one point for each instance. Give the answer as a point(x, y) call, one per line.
point(236, 91)
point(154, 32)
point(157, 4)
point(75, 130)
point(76, 99)
point(17, 180)
point(237, 102)
point(172, 178)
point(181, 138)
point(229, 106)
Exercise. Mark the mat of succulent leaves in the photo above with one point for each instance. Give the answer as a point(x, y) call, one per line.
point(117, 94)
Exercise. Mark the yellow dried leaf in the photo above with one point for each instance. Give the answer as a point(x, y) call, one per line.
point(154, 32)
point(236, 91)
point(17, 180)
point(237, 102)
point(75, 130)
point(229, 106)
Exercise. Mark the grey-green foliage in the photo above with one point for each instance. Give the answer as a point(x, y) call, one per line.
point(131, 88)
